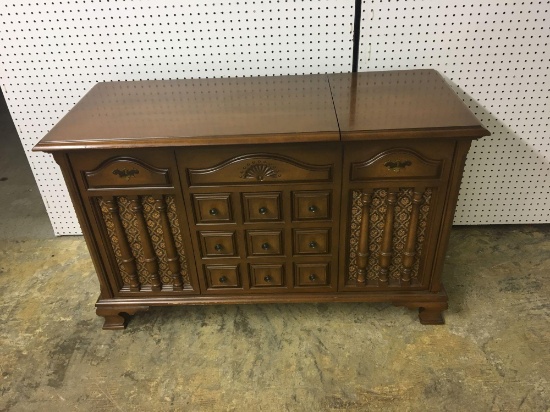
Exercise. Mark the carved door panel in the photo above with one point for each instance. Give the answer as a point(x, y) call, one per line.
point(140, 221)
point(394, 199)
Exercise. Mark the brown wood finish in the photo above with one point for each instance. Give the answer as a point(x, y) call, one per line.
point(128, 260)
point(171, 250)
point(322, 188)
point(410, 246)
point(387, 246)
point(363, 244)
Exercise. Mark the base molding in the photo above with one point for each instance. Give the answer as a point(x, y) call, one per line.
point(117, 311)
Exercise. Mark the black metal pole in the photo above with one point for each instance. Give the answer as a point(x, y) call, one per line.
point(356, 35)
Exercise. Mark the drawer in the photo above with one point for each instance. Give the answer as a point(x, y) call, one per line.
point(214, 208)
point(216, 244)
point(312, 274)
point(124, 168)
point(260, 207)
point(260, 165)
point(402, 160)
point(222, 276)
point(263, 242)
point(266, 275)
point(311, 241)
point(311, 205)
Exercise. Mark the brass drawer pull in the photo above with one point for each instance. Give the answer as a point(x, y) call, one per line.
point(125, 173)
point(223, 279)
point(213, 211)
point(397, 165)
point(265, 246)
point(262, 210)
point(312, 244)
point(313, 277)
point(268, 278)
point(312, 208)
point(218, 247)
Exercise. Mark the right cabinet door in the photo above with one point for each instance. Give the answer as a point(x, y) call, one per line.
point(394, 194)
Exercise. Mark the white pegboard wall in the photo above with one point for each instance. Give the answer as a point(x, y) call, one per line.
point(496, 55)
point(52, 53)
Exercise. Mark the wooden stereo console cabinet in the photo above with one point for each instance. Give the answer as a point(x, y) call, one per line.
point(316, 188)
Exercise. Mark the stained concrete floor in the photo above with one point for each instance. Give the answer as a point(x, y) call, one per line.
point(493, 354)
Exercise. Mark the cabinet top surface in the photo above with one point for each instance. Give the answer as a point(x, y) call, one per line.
point(395, 102)
point(279, 109)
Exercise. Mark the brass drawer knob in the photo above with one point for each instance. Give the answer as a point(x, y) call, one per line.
point(223, 279)
point(262, 210)
point(313, 277)
point(125, 173)
point(312, 244)
point(397, 165)
point(268, 278)
point(218, 247)
point(265, 246)
point(313, 209)
point(214, 211)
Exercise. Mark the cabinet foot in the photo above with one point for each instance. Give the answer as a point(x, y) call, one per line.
point(118, 317)
point(429, 313)
point(431, 316)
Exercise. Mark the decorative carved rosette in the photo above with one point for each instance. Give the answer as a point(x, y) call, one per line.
point(259, 170)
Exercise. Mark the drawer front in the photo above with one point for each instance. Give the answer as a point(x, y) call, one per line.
point(312, 274)
point(262, 242)
point(311, 205)
point(311, 241)
point(132, 168)
point(216, 244)
point(126, 172)
point(264, 164)
point(267, 275)
point(262, 207)
point(214, 208)
point(401, 160)
point(223, 276)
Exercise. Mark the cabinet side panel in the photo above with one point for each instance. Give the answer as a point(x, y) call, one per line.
point(85, 224)
point(457, 169)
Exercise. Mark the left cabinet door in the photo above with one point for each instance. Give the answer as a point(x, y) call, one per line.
point(134, 200)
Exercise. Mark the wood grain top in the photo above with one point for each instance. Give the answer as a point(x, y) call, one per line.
point(198, 112)
point(401, 103)
point(281, 109)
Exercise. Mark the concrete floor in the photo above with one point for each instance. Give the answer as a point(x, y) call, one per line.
point(493, 354)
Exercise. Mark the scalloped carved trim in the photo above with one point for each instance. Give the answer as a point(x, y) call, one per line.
point(412, 163)
point(126, 171)
point(260, 167)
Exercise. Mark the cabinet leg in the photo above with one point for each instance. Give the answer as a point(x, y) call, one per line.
point(118, 317)
point(429, 313)
point(432, 316)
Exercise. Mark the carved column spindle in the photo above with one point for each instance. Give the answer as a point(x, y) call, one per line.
point(386, 250)
point(363, 247)
point(151, 263)
point(128, 260)
point(410, 245)
point(171, 251)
